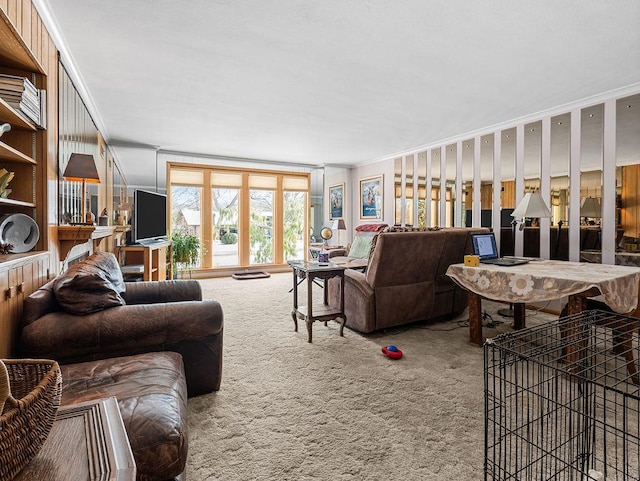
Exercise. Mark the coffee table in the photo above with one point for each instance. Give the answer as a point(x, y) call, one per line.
point(545, 280)
point(311, 271)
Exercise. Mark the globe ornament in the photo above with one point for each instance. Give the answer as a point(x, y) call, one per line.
point(326, 234)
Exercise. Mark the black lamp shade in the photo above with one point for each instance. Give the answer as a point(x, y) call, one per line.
point(81, 167)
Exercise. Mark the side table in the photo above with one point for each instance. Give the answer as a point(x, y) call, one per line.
point(87, 442)
point(312, 271)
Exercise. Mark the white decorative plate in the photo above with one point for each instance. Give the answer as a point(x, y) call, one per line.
point(20, 230)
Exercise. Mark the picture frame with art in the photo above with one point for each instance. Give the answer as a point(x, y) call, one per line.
point(336, 201)
point(371, 198)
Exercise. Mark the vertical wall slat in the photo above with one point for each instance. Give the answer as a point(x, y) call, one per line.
point(443, 187)
point(519, 244)
point(608, 226)
point(429, 188)
point(497, 185)
point(477, 183)
point(545, 186)
point(574, 183)
point(26, 23)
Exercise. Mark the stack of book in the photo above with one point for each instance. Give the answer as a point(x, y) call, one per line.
point(23, 96)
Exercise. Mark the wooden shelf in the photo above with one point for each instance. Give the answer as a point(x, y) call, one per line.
point(9, 153)
point(15, 118)
point(153, 257)
point(70, 236)
point(16, 203)
point(13, 51)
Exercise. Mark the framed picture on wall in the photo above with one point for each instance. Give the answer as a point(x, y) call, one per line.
point(336, 201)
point(371, 198)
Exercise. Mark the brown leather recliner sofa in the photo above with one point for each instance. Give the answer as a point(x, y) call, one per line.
point(149, 344)
point(405, 280)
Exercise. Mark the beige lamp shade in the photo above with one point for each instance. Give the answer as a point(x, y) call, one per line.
point(531, 206)
point(590, 207)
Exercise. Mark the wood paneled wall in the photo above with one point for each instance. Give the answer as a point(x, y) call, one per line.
point(508, 197)
point(630, 213)
point(78, 134)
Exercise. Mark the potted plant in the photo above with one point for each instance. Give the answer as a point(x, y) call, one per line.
point(185, 250)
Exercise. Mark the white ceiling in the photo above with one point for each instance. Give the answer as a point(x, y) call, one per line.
point(333, 82)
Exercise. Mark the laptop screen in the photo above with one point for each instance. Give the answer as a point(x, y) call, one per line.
point(484, 245)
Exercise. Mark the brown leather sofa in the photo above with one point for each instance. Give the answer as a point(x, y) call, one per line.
point(405, 280)
point(149, 344)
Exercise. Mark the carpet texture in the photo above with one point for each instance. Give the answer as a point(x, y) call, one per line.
point(336, 409)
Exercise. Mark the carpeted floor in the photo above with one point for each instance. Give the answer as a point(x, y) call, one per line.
point(336, 409)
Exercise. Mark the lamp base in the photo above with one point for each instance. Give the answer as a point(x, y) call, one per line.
point(507, 312)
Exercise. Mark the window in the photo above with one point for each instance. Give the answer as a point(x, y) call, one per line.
point(250, 217)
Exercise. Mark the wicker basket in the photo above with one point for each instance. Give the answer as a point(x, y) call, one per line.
point(28, 414)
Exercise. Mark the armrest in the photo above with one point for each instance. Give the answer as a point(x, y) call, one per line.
point(358, 280)
point(359, 300)
point(338, 252)
point(191, 328)
point(151, 292)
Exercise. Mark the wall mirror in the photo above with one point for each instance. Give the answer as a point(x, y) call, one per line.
point(559, 171)
point(451, 196)
point(421, 176)
point(591, 162)
point(507, 190)
point(468, 148)
point(397, 190)
point(628, 174)
point(486, 180)
point(408, 190)
point(436, 210)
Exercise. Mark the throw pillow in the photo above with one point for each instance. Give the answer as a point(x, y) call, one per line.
point(86, 288)
point(360, 247)
point(107, 263)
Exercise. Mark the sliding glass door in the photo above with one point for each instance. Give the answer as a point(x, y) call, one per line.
point(249, 217)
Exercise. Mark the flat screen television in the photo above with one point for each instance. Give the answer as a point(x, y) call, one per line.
point(149, 217)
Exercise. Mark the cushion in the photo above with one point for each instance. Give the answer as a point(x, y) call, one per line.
point(360, 247)
point(108, 264)
point(152, 397)
point(89, 286)
point(370, 227)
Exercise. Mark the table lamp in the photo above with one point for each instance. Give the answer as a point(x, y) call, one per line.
point(590, 208)
point(532, 206)
point(82, 168)
point(339, 225)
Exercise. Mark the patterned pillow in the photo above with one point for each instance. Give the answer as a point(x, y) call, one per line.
point(361, 247)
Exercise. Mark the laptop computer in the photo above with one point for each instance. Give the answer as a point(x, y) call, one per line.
point(484, 245)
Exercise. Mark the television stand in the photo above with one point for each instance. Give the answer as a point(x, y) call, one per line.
point(155, 258)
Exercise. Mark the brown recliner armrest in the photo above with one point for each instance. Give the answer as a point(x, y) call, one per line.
point(151, 292)
point(338, 252)
point(191, 328)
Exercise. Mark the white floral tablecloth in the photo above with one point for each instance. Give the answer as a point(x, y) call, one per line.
point(547, 280)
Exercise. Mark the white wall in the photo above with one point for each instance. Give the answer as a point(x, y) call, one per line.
point(351, 179)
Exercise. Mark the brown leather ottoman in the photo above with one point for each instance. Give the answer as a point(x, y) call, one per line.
point(152, 396)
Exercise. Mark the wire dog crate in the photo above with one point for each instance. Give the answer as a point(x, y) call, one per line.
point(562, 401)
